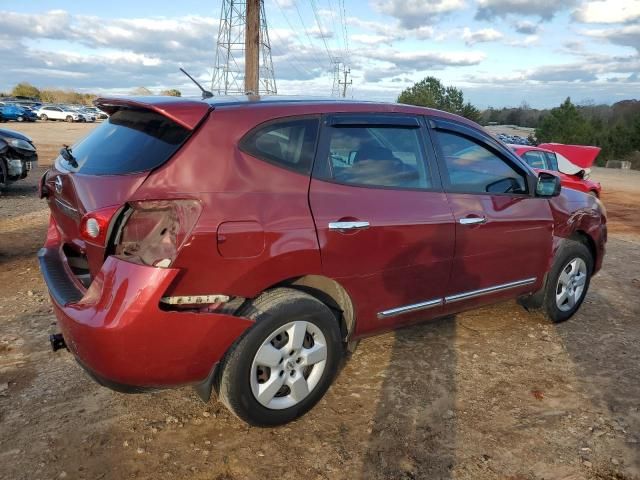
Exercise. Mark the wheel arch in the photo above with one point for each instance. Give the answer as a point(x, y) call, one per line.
point(586, 239)
point(332, 294)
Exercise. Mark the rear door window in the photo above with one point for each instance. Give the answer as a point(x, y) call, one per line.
point(389, 156)
point(130, 141)
point(286, 142)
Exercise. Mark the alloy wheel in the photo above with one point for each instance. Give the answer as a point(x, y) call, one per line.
point(288, 365)
point(571, 283)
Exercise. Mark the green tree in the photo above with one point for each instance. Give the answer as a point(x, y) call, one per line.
point(564, 124)
point(430, 92)
point(25, 89)
point(172, 92)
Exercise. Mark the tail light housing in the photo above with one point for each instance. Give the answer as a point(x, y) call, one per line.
point(94, 226)
point(152, 232)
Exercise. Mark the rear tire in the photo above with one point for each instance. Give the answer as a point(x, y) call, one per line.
point(568, 281)
point(283, 365)
point(20, 118)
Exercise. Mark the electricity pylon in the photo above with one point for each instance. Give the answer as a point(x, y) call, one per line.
point(240, 53)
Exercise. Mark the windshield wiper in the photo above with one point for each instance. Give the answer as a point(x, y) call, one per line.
point(67, 154)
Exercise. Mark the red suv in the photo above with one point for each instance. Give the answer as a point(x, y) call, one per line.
point(243, 244)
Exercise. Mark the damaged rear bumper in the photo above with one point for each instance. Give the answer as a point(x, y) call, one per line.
point(121, 336)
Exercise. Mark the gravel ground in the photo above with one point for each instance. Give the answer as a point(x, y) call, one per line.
point(495, 393)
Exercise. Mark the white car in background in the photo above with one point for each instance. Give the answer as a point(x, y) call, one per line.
point(86, 115)
point(55, 112)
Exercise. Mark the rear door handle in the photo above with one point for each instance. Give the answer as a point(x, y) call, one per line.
point(472, 220)
point(341, 226)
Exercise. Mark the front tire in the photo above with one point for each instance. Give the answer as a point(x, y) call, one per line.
point(283, 365)
point(568, 281)
point(69, 118)
point(44, 118)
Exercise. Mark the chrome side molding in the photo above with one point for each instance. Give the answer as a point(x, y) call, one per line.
point(410, 308)
point(415, 307)
point(484, 291)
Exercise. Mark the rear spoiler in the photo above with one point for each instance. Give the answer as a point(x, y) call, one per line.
point(187, 113)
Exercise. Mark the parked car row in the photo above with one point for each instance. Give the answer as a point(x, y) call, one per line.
point(513, 139)
point(13, 111)
point(69, 113)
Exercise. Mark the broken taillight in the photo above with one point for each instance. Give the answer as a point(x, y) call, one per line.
point(94, 226)
point(153, 231)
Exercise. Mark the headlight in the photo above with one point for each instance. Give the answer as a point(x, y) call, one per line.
point(18, 143)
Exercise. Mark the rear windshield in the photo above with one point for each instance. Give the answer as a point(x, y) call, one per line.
point(129, 141)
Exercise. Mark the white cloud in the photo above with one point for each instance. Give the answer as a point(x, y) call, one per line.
point(545, 9)
point(628, 36)
point(526, 27)
point(425, 60)
point(416, 13)
point(480, 36)
point(524, 43)
point(608, 11)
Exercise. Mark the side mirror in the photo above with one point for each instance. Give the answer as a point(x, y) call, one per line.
point(548, 185)
point(581, 174)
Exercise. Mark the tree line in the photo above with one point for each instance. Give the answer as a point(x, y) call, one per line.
point(52, 95)
point(614, 128)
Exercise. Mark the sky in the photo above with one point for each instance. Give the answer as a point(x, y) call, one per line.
point(501, 53)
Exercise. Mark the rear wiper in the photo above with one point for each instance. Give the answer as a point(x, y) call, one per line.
point(67, 154)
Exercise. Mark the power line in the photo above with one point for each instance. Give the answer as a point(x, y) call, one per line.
point(304, 26)
point(343, 18)
point(319, 24)
point(294, 63)
point(333, 22)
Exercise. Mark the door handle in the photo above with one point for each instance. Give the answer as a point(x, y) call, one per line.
point(348, 226)
point(472, 220)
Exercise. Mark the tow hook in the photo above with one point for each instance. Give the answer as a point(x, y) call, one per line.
point(57, 342)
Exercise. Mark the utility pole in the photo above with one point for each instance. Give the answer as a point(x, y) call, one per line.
point(335, 89)
point(252, 48)
point(344, 83)
point(243, 50)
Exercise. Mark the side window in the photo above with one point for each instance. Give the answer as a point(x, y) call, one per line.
point(384, 156)
point(536, 159)
point(473, 168)
point(289, 143)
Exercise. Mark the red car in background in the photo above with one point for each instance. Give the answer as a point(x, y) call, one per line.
point(573, 173)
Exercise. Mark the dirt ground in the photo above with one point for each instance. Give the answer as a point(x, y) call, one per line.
point(496, 393)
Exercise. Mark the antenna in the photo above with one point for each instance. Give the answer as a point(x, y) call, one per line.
point(205, 93)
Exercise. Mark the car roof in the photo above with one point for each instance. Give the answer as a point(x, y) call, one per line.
point(178, 108)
